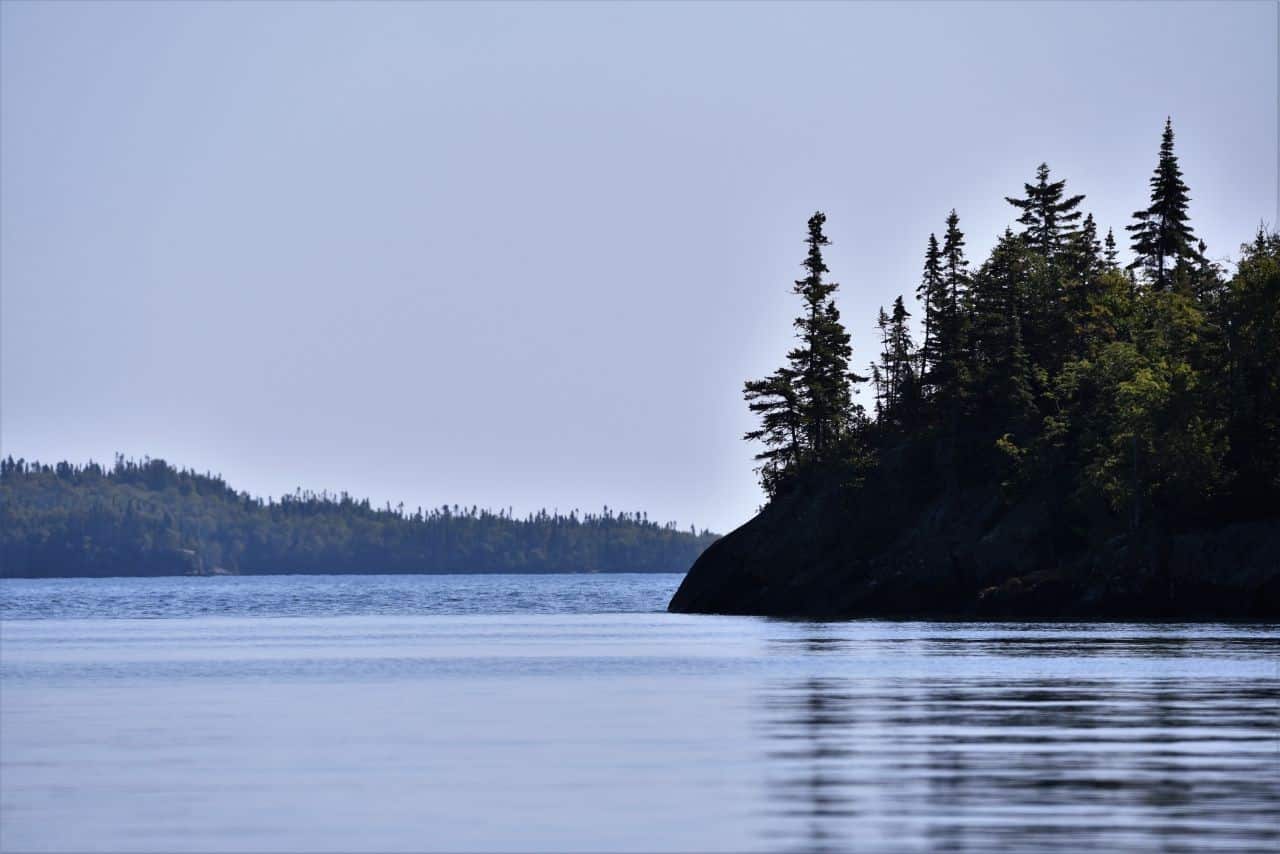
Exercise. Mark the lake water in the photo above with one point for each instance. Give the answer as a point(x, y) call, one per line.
point(537, 713)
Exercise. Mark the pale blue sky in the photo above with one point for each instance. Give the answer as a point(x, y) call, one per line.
point(526, 254)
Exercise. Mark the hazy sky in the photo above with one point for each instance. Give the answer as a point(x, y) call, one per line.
point(525, 255)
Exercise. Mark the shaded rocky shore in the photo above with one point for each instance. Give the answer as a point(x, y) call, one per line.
point(840, 552)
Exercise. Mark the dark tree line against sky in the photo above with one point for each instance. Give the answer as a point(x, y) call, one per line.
point(1147, 394)
point(149, 518)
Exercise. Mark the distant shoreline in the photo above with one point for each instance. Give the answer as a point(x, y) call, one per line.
point(486, 573)
point(150, 519)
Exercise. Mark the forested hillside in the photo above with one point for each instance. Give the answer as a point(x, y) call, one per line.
point(150, 518)
point(1056, 409)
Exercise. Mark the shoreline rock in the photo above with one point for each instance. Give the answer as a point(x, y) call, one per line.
point(828, 553)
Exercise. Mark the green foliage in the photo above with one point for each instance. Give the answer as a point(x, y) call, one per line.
point(150, 518)
point(1163, 239)
point(1049, 217)
point(1127, 401)
point(808, 417)
point(1251, 316)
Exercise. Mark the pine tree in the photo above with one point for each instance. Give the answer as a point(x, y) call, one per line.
point(932, 296)
point(1049, 218)
point(775, 400)
point(881, 371)
point(1001, 379)
point(822, 359)
point(902, 380)
point(947, 362)
point(1086, 251)
point(1110, 256)
point(894, 374)
point(1162, 235)
point(1081, 289)
point(955, 283)
point(806, 408)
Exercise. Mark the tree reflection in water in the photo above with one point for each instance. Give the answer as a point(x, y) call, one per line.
point(946, 761)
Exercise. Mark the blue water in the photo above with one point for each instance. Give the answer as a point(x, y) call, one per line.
point(538, 713)
point(334, 595)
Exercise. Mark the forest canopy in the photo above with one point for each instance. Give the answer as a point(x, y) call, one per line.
point(1139, 393)
point(149, 518)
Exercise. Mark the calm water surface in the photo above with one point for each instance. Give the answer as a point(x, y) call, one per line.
point(531, 713)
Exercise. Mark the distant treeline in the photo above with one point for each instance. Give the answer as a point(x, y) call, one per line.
point(150, 518)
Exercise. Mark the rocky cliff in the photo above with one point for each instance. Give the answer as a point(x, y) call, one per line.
point(833, 551)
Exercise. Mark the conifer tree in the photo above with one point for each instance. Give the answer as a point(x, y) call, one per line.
point(948, 370)
point(902, 380)
point(894, 374)
point(1049, 220)
point(1081, 288)
point(1162, 235)
point(1086, 250)
point(1001, 378)
point(807, 408)
point(1048, 217)
point(775, 401)
point(822, 359)
point(955, 283)
point(955, 266)
point(881, 371)
point(1111, 258)
point(932, 296)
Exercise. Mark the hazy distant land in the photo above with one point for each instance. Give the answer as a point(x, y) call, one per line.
point(149, 518)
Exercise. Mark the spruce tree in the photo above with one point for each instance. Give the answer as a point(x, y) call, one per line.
point(1080, 289)
point(894, 374)
point(932, 296)
point(1049, 220)
point(1001, 379)
point(1162, 235)
point(947, 376)
point(775, 401)
point(881, 371)
point(1086, 250)
point(1048, 217)
point(806, 408)
point(955, 268)
point(1110, 256)
point(902, 380)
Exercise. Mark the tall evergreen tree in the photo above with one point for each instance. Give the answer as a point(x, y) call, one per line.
point(1087, 250)
point(1001, 374)
point(807, 408)
point(1049, 217)
point(894, 374)
point(902, 380)
point(1162, 235)
point(776, 402)
point(1110, 257)
point(931, 293)
point(1081, 287)
point(880, 371)
point(947, 376)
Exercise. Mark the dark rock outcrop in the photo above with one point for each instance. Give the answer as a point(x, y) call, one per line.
point(832, 551)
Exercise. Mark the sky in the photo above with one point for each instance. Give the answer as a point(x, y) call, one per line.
point(525, 255)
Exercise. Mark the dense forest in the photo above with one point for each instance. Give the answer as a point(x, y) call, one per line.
point(1146, 392)
point(1053, 402)
point(150, 518)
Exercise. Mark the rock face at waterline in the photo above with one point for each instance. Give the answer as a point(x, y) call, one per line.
point(832, 551)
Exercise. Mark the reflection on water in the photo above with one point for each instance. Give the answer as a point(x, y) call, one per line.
point(569, 713)
point(972, 763)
